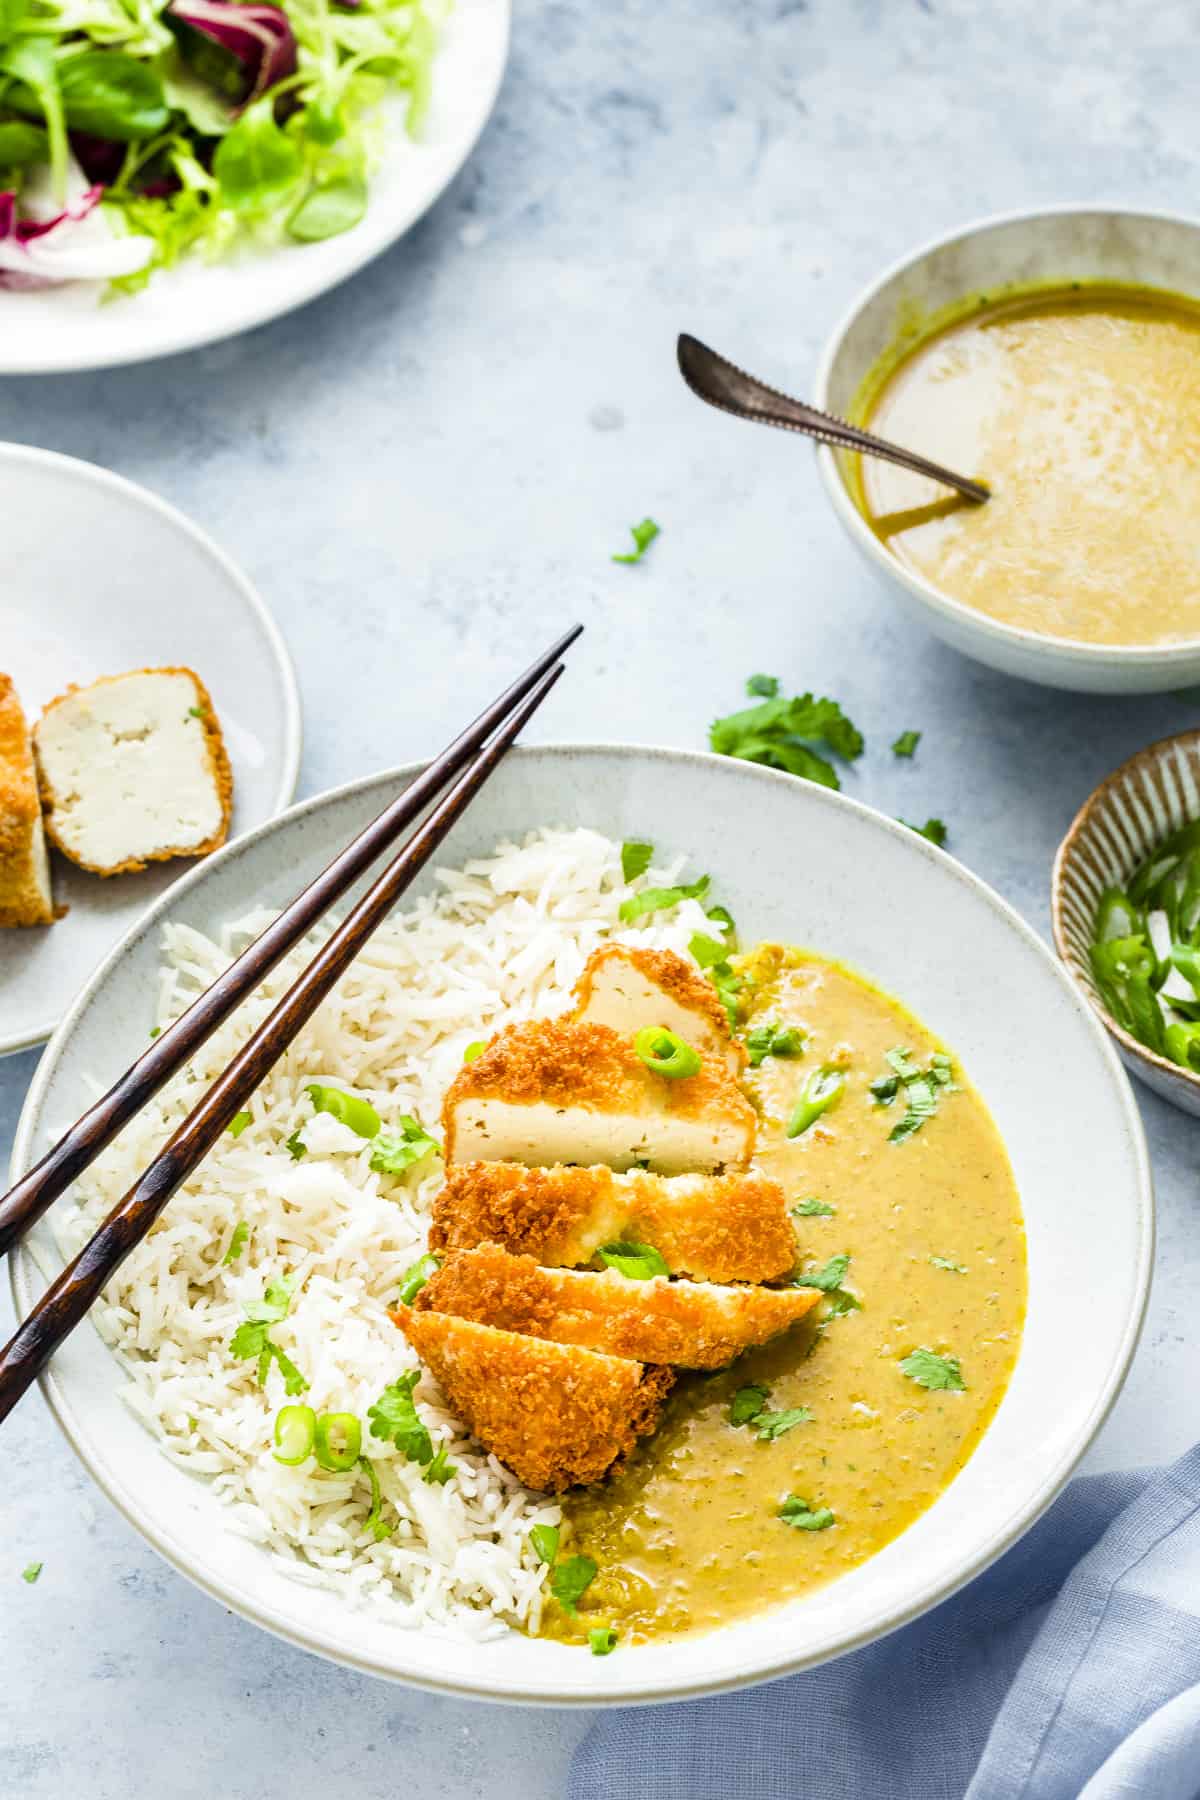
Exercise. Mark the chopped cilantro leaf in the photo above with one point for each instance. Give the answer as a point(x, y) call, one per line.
point(944, 1262)
point(919, 1087)
point(640, 1262)
point(31, 1571)
point(771, 1425)
point(440, 1469)
point(813, 1209)
point(933, 829)
point(922, 1104)
point(571, 1580)
point(375, 1524)
point(773, 1039)
point(885, 1089)
point(929, 1370)
point(643, 536)
point(721, 915)
point(763, 687)
point(238, 1124)
point(602, 1639)
point(544, 1539)
point(395, 1419)
point(415, 1277)
point(295, 1146)
point(635, 859)
point(841, 1301)
point(747, 1403)
point(803, 1516)
point(657, 899)
point(392, 1153)
point(906, 743)
point(237, 1243)
point(253, 1336)
point(706, 950)
point(780, 733)
point(828, 1278)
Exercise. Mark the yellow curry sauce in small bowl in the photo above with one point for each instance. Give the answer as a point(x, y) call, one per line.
point(802, 1460)
point(1057, 357)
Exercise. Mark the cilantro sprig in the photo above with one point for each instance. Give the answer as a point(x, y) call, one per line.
point(940, 1373)
point(749, 1407)
point(253, 1339)
point(921, 1089)
point(783, 734)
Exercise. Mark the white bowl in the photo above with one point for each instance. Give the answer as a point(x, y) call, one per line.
point(792, 861)
point(1014, 251)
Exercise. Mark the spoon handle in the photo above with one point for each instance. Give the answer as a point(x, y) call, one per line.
point(724, 385)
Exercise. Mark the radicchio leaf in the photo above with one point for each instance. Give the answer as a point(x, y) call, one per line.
point(99, 158)
point(68, 245)
point(239, 50)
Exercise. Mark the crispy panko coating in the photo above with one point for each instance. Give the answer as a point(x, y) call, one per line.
point(25, 897)
point(557, 1416)
point(712, 1227)
point(688, 1324)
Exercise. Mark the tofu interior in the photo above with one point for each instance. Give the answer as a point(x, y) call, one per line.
point(619, 989)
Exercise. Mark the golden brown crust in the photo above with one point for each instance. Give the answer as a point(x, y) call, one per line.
point(218, 764)
point(21, 899)
point(684, 1323)
point(565, 1063)
point(555, 1415)
point(675, 976)
point(715, 1227)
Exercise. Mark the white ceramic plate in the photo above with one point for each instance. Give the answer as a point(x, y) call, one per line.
point(73, 327)
point(101, 576)
point(792, 861)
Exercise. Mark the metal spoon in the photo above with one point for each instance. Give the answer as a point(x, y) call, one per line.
point(725, 386)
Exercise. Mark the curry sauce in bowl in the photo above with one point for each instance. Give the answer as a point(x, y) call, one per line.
point(797, 1464)
point(1055, 356)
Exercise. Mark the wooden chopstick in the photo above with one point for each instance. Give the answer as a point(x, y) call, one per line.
point(68, 1298)
point(25, 1203)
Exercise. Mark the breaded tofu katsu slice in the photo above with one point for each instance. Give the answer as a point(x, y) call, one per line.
point(690, 1324)
point(553, 1414)
point(25, 896)
point(551, 1091)
point(133, 770)
point(627, 988)
point(712, 1227)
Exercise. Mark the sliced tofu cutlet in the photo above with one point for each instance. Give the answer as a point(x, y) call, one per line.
point(133, 770)
point(25, 896)
point(552, 1090)
point(627, 988)
point(712, 1227)
point(557, 1416)
point(689, 1324)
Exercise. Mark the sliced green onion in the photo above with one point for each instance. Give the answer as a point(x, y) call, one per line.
point(665, 1053)
point(638, 1262)
point(1182, 1045)
point(338, 1441)
point(1116, 917)
point(602, 1639)
point(474, 1051)
point(295, 1434)
point(821, 1091)
point(348, 1109)
point(415, 1277)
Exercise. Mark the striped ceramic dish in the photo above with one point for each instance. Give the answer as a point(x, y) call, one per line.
point(1114, 831)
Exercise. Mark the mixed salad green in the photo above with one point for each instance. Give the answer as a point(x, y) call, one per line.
point(134, 131)
point(1145, 950)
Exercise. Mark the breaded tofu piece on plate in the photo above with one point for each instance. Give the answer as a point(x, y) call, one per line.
point(627, 988)
point(712, 1227)
point(553, 1091)
point(557, 1416)
point(25, 893)
point(133, 770)
point(689, 1324)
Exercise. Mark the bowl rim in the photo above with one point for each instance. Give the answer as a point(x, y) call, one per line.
point(630, 1692)
point(292, 739)
point(1019, 638)
point(1075, 834)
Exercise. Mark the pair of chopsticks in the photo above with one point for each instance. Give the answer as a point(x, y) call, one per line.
point(467, 763)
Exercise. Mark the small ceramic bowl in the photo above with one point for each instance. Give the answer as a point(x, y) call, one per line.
point(992, 256)
point(1114, 831)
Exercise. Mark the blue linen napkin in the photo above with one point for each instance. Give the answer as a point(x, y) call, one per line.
point(1070, 1670)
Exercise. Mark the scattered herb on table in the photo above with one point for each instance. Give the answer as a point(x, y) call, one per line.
point(763, 687)
point(933, 829)
point(782, 734)
point(253, 1339)
point(906, 743)
point(936, 1372)
point(31, 1571)
point(644, 535)
point(802, 1515)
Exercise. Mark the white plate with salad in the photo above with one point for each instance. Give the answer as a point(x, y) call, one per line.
point(175, 171)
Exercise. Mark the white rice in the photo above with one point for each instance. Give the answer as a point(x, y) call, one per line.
point(503, 938)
